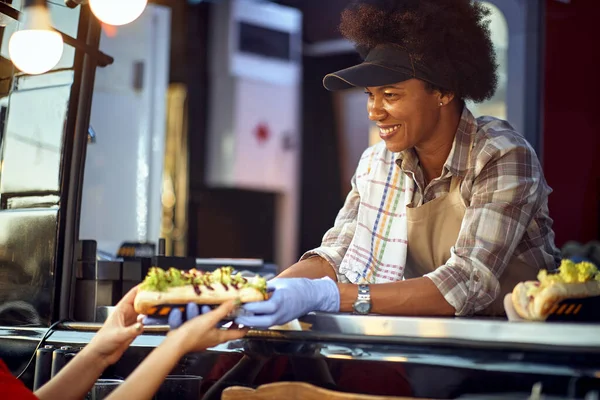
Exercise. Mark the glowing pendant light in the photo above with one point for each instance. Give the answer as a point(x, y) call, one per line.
point(117, 12)
point(36, 47)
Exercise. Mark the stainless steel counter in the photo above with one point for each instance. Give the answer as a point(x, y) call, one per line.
point(545, 348)
point(453, 332)
point(459, 331)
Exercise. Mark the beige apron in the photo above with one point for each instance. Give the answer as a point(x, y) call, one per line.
point(433, 229)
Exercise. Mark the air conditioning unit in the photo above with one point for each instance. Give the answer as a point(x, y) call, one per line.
point(255, 75)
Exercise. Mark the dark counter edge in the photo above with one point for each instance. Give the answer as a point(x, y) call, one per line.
point(490, 356)
point(81, 332)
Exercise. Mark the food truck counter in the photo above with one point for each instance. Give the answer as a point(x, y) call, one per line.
point(558, 352)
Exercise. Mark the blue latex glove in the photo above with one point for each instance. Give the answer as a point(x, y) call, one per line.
point(175, 319)
point(293, 298)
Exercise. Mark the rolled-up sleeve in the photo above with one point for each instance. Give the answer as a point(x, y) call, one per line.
point(336, 240)
point(505, 195)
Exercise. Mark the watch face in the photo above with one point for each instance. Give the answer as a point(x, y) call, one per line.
point(362, 307)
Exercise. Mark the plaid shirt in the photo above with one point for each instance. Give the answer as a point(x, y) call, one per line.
point(507, 214)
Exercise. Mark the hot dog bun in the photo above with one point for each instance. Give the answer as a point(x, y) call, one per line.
point(520, 299)
point(176, 287)
point(145, 300)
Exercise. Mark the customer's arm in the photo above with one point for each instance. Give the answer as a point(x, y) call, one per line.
point(75, 379)
point(195, 335)
point(107, 346)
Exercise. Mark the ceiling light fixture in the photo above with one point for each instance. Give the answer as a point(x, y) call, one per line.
point(113, 12)
point(36, 47)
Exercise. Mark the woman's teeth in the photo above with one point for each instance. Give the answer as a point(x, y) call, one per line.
point(389, 131)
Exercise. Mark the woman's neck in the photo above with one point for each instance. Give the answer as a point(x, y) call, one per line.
point(433, 154)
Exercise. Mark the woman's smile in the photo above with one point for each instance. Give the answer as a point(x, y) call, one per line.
point(387, 131)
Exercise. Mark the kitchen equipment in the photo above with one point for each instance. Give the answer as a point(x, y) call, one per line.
point(239, 264)
point(102, 283)
point(132, 273)
point(103, 312)
point(102, 388)
point(43, 366)
point(60, 358)
point(98, 284)
point(181, 387)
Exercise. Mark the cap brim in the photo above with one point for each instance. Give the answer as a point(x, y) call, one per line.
point(363, 75)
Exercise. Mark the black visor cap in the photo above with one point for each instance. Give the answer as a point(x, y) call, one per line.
point(385, 64)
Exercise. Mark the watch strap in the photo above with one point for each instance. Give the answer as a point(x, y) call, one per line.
point(364, 293)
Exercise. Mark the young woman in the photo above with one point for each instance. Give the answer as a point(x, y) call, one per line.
point(448, 212)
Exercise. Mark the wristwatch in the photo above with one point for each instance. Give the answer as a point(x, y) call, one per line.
point(362, 305)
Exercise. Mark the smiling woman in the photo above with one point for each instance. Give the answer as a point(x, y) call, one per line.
point(448, 213)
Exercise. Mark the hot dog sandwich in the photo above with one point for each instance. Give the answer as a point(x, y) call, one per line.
point(175, 287)
point(535, 300)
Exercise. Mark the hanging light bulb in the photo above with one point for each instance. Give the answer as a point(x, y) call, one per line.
point(35, 48)
point(117, 12)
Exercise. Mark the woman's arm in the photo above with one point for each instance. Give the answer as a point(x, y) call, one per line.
point(314, 268)
point(419, 296)
point(145, 380)
point(505, 196)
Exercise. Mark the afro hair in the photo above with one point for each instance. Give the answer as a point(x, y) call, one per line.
point(449, 36)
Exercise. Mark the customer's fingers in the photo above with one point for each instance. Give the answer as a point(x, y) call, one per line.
point(219, 313)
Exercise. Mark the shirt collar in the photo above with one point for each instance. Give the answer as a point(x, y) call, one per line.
point(458, 159)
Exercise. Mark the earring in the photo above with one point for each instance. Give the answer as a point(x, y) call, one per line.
point(441, 104)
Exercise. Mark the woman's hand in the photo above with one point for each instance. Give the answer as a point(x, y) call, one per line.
point(201, 332)
point(293, 298)
point(117, 333)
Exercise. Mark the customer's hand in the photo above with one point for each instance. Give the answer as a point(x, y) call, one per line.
point(201, 332)
point(293, 298)
point(117, 333)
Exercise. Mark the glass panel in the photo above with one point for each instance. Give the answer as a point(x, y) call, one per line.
point(496, 106)
point(34, 134)
point(33, 112)
point(27, 251)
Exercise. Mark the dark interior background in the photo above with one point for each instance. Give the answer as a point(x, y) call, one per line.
point(571, 139)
